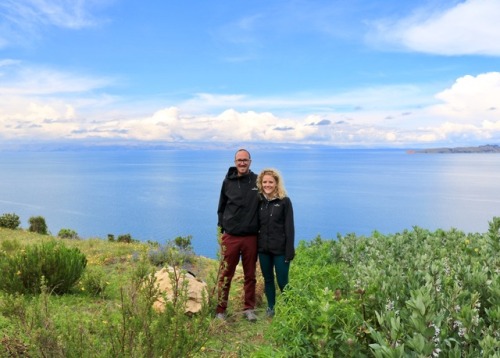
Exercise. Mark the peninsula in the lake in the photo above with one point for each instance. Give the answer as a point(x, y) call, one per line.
point(488, 148)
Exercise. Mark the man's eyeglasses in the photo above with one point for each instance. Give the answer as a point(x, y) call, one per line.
point(242, 161)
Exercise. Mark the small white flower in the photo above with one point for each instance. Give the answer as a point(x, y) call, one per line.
point(435, 352)
point(475, 320)
point(437, 331)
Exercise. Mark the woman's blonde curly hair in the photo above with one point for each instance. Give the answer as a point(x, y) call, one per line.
point(280, 191)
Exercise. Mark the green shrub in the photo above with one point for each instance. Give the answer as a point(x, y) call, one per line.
point(159, 256)
point(94, 281)
point(314, 315)
point(8, 245)
point(141, 331)
point(175, 253)
point(10, 221)
point(67, 234)
point(52, 262)
point(127, 238)
point(38, 225)
point(126, 327)
point(411, 294)
point(183, 243)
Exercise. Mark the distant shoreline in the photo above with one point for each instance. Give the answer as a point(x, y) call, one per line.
point(488, 148)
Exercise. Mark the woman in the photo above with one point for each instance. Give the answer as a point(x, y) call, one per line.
point(276, 234)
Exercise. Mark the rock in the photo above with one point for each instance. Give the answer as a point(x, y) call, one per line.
point(197, 290)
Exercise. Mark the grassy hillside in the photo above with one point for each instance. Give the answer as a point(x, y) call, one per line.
point(117, 268)
point(417, 293)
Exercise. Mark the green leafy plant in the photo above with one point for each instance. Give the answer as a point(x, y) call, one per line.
point(315, 313)
point(176, 252)
point(38, 225)
point(53, 263)
point(94, 281)
point(137, 329)
point(67, 234)
point(10, 221)
point(127, 238)
point(416, 293)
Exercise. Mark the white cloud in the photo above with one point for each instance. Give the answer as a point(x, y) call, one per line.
point(23, 20)
point(377, 97)
point(471, 99)
point(8, 62)
point(72, 14)
point(38, 102)
point(468, 28)
point(44, 81)
point(41, 103)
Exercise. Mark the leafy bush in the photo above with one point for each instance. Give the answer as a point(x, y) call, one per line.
point(38, 225)
point(159, 256)
point(67, 234)
point(175, 253)
point(127, 238)
point(312, 315)
point(412, 294)
point(94, 281)
point(50, 262)
point(141, 331)
point(10, 221)
point(183, 243)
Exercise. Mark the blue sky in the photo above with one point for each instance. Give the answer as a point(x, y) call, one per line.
point(345, 73)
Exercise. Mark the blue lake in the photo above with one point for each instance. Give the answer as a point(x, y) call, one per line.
point(161, 194)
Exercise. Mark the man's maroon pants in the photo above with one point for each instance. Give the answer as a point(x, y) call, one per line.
point(232, 248)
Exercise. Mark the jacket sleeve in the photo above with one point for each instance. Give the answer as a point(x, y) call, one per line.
point(221, 207)
point(289, 231)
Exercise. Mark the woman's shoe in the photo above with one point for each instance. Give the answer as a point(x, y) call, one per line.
point(270, 312)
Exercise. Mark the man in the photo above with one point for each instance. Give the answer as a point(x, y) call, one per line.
point(238, 221)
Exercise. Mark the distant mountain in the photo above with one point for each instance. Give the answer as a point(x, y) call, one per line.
point(488, 148)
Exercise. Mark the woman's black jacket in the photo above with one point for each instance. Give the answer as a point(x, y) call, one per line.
point(277, 230)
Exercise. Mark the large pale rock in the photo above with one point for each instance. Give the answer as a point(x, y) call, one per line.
point(196, 290)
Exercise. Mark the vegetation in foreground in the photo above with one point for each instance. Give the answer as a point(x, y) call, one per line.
point(412, 294)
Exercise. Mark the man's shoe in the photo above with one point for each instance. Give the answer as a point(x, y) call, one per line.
point(250, 315)
point(270, 312)
point(221, 316)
